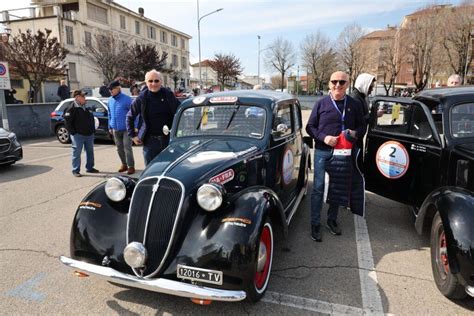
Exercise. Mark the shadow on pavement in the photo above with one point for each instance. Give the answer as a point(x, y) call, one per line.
point(21, 171)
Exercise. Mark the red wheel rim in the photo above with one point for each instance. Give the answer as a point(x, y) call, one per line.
point(443, 253)
point(261, 278)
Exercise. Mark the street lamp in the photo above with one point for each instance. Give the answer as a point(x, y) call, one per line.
point(258, 67)
point(199, 37)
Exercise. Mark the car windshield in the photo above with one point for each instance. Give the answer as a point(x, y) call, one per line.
point(462, 120)
point(226, 120)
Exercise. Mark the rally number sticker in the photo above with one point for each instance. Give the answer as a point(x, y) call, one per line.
point(392, 160)
point(288, 166)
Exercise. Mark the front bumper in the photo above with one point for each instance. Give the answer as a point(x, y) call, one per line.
point(156, 285)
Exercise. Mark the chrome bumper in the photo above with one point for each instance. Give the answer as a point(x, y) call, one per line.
point(470, 290)
point(157, 285)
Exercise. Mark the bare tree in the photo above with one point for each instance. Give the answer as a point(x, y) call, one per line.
point(457, 37)
point(108, 54)
point(318, 56)
point(390, 63)
point(421, 43)
point(281, 56)
point(36, 57)
point(226, 67)
point(276, 81)
point(351, 53)
point(144, 57)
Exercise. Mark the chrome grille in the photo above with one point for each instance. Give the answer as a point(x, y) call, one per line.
point(152, 219)
point(4, 145)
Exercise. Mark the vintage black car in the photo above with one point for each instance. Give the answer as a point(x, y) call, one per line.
point(422, 154)
point(199, 222)
point(10, 148)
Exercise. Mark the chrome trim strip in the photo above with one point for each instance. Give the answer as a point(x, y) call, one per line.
point(295, 206)
point(157, 285)
point(185, 155)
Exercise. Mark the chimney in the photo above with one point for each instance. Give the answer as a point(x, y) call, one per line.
point(141, 11)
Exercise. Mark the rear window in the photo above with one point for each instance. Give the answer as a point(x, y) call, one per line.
point(462, 120)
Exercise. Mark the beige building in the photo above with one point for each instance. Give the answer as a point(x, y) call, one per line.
point(75, 22)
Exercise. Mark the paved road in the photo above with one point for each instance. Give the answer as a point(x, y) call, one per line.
point(377, 266)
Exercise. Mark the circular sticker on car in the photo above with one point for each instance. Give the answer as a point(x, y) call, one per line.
point(96, 122)
point(392, 159)
point(288, 166)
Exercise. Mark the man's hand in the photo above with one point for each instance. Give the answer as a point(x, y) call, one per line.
point(330, 140)
point(111, 131)
point(136, 140)
point(352, 133)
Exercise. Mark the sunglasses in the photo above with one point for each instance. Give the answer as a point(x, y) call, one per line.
point(153, 81)
point(341, 82)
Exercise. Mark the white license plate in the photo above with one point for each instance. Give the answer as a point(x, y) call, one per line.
point(198, 274)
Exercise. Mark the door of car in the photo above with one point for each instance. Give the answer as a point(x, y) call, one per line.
point(101, 114)
point(284, 153)
point(402, 151)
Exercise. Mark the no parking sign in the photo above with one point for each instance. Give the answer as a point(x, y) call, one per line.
point(4, 76)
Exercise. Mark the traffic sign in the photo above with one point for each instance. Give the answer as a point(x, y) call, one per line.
point(4, 76)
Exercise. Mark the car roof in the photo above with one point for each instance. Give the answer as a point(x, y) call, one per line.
point(246, 96)
point(437, 94)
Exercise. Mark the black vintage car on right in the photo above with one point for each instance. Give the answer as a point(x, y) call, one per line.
point(422, 154)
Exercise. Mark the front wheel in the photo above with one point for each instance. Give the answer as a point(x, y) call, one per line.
point(263, 266)
point(447, 282)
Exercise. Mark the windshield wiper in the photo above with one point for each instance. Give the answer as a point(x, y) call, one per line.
point(232, 116)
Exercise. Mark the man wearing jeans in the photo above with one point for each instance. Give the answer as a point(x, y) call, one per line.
point(156, 106)
point(81, 126)
point(119, 105)
point(330, 115)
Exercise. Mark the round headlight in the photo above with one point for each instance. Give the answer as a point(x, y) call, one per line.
point(210, 196)
point(135, 255)
point(115, 189)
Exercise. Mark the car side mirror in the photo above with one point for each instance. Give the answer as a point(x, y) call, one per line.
point(166, 130)
point(280, 129)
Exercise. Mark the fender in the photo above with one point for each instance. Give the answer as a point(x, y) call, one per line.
point(99, 229)
point(455, 206)
point(236, 229)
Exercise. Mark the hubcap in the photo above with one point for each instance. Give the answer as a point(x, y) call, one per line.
point(443, 253)
point(264, 258)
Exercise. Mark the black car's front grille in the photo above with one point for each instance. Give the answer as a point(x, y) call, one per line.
point(4, 145)
point(155, 222)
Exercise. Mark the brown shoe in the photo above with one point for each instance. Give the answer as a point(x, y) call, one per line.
point(131, 170)
point(123, 168)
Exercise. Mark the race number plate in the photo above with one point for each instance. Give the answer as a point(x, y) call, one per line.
point(198, 274)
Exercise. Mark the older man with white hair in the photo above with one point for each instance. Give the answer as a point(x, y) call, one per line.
point(156, 106)
point(454, 80)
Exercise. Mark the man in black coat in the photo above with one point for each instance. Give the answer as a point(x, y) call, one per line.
point(63, 90)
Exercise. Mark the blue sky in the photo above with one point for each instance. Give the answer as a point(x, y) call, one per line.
point(235, 29)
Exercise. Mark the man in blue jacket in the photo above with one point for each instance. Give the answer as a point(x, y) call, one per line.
point(330, 116)
point(156, 106)
point(119, 105)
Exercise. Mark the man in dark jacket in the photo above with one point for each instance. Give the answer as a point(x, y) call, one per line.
point(330, 116)
point(363, 86)
point(63, 90)
point(81, 126)
point(156, 106)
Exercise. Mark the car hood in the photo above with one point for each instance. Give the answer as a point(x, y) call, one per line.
point(3, 132)
point(195, 161)
point(467, 149)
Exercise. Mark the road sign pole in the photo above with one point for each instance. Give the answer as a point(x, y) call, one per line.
point(3, 106)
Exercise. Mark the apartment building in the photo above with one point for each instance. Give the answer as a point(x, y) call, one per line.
point(75, 22)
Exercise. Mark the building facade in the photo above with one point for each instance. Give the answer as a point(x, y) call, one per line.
point(75, 22)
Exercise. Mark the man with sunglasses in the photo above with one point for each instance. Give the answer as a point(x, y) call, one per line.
point(330, 116)
point(156, 106)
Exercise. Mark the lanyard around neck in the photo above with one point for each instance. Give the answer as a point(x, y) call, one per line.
point(343, 113)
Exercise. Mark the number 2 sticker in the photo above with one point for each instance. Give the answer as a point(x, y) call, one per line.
point(392, 160)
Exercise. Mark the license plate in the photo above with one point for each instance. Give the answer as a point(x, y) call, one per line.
point(198, 274)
